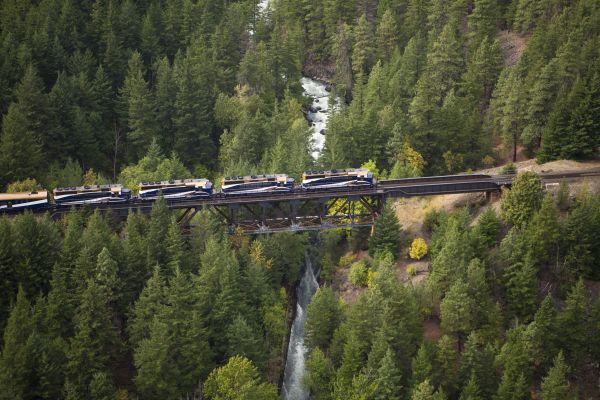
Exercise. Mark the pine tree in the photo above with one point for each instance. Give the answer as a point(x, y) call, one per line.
point(477, 363)
point(95, 344)
point(421, 365)
point(471, 390)
point(544, 334)
point(244, 339)
point(137, 104)
point(319, 374)
point(544, 231)
point(323, 319)
point(342, 51)
point(424, 391)
point(571, 323)
point(146, 307)
point(389, 379)
point(386, 36)
point(164, 104)
point(446, 365)
point(157, 234)
point(456, 311)
point(512, 118)
point(102, 387)
point(8, 275)
point(386, 233)
point(555, 385)
point(483, 21)
point(14, 368)
point(525, 197)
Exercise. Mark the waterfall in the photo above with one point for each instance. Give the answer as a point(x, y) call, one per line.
point(318, 112)
point(294, 367)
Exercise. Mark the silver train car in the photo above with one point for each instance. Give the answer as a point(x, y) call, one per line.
point(338, 179)
point(180, 189)
point(93, 194)
point(23, 201)
point(256, 184)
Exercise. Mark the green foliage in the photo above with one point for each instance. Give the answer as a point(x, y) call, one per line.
point(358, 273)
point(319, 373)
point(386, 233)
point(324, 317)
point(524, 198)
point(238, 379)
point(555, 385)
point(424, 391)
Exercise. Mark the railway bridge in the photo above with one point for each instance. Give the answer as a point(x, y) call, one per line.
point(321, 209)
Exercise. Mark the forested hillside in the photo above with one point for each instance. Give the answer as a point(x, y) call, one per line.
point(129, 91)
point(215, 85)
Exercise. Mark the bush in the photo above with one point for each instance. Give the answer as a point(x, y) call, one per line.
point(509, 169)
point(359, 274)
point(346, 260)
point(411, 270)
point(26, 185)
point(418, 249)
point(431, 220)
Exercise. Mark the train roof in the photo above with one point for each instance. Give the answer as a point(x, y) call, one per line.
point(256, 178)
point(115, 188)
point(176, 182)
point(347, 171)
point(35, 195)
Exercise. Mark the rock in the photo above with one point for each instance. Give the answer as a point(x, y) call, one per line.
point(322, 131)
point(318, 108)
point(316, 100)
point(312, 109)
point(328, 88)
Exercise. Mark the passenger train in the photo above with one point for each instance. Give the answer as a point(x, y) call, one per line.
point(187, 189)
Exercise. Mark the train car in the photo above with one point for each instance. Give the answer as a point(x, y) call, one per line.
point(180, 189)
point(93, 194)
point(338, 179)
point(256, 184)
point(23, 201)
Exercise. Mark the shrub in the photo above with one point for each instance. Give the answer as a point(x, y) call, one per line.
point(359, 274)
point(26, 185)
point(418, 249)
point(509, 169)
point(411, 270)
point(431, 220)
point(346, 260)
point(371, 277)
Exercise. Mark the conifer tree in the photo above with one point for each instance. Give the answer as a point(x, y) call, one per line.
point(14, 368)
point(446, 365)
point(389, 379)
point(424, 391)
point(148, 305)
point(483, 20)
point(477, 363)
point(95, 344)
point(157, 234)
point(244, 339)
point(319, 373)
point(525, 197)
point(386, 36)
point(137, 104)
point(571, 323)
point(342, 50)
point(522, 288)
point(555, 384)
point(386, 233)
point(456, 311)
point(8, 275)
point(323, 319)
point(544, 231)
point(363, 52)
point(421, 365)
point(471, 390)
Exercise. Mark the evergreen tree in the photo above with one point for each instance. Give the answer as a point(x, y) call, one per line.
point(544, 231)
point(421, 365)
point(446, 365)
point(389, 379)
point(319, 374)
point(471, 390)
point(137, 104)
point(386, 233)
point(555, 385)
point(424, 391)
point(525, 197)
point(483, 21)
point(244, 339)
point(323, 319)
point(456, 311)
point(522, 288)
point(14, 368)
point(8, 275)
point(386, 36)
point(363, 53)
point(157, 234)
point(571, 322)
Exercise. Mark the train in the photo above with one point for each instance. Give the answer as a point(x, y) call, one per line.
point(187, 189)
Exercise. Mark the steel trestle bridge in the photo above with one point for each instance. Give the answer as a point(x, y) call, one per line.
point(301, 210)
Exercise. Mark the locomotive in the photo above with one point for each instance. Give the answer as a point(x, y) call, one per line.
point(187, 189)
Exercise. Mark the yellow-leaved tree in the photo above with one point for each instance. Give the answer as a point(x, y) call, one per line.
point(418, 249)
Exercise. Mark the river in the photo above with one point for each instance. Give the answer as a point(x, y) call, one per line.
point(318, 112)
point(293, 388)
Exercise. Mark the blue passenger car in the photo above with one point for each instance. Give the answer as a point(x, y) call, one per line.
point(12, 202)
point(93, 194)
point(181, 189)
point(257, 184)
point(337, 179)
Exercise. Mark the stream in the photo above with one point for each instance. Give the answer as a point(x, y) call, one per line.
point(293, 388)
point(318, 112)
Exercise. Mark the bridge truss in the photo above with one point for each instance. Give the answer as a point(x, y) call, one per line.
point(277, 215)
